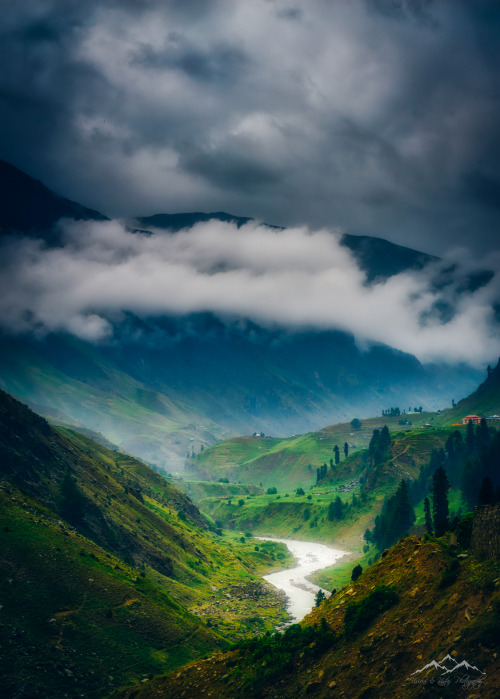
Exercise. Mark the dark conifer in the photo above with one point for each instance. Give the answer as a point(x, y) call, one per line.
point(470, 477)
point(384, 439)
point(320, 596)
point(440, 511)
point(356, 572)
point(486, 492)
point(331, 512)
point(373, 442)
point(470, 439)
point(338, 508)
point(428, 518)
point(482, 436)
point(336, 452)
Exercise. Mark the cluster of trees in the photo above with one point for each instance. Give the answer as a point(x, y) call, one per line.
point(471, 464)
point(394, 521)
point(438, 522)
point(391, 412)
point(379, 446)
point(322, 471)
point(337, 508)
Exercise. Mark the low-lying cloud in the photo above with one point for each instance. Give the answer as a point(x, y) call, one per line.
point(293, 278)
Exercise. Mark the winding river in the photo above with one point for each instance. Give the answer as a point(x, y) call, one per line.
point(310, 557)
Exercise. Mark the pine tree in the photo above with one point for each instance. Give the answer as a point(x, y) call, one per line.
point(440, 511)
point(482, 436)
point(320, 596)
point(346, 450)
point(336, 452)
point(396, 518)
point(428, 518)
point(338, 508)
point(450, 449)
point(356, 572)
point(384, 439)
point(486, 492)
point(331, 512)
point(470, 439)
point(373, 442)
point(403, 513)
point(470, 477)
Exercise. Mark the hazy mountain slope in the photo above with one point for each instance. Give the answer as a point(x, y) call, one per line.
point(200, 381)
point(83, 386)
point(422, 621)
point(28, 206)
point(251, 379)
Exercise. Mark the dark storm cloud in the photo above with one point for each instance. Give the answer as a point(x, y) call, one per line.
point(380, 117)
point(222, 64)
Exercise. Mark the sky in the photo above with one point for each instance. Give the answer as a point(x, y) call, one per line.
point(376, 117)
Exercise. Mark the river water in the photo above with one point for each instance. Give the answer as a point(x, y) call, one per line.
point(310, 557)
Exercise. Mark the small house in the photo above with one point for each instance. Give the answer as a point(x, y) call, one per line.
point(475, 419)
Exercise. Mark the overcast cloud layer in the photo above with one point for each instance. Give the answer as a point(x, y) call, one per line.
point(378, 116)
point(294, 279)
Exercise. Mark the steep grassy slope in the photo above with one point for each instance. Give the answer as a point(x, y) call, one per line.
point(107, 570)
point(398, 617)
point(76, 618)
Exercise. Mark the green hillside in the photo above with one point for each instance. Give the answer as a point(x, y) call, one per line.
point(108, 572)
point(292, 462)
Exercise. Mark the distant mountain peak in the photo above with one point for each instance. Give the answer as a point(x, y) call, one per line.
point(176, 222)
point(28, 206)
